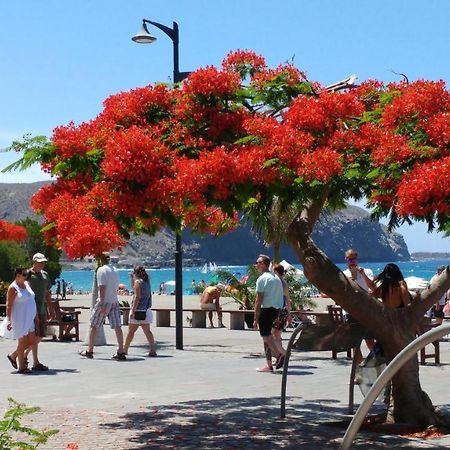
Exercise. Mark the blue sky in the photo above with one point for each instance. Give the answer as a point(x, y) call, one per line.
point(62, 58)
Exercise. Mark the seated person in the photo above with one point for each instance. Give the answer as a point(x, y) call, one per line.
point(209, 300)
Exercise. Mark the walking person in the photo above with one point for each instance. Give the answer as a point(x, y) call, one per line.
point(20, 319)
point(283, 315)
point(58, 289)
point(269, 300)
point(107, 305)
point(40, 283)
point(140, 312)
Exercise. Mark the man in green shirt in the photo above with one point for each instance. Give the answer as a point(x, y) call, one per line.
point(40, 283)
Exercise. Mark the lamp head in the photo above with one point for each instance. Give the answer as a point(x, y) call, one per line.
point(143, 37)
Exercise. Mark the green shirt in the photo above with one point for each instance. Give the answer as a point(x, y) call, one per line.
point(40, 283)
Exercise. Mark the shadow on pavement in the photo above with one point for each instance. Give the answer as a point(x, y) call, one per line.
point(254, 423)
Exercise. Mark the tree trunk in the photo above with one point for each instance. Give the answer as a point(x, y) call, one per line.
point(393, 328)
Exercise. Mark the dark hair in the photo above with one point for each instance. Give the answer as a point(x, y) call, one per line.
point(141, 273)
point(19, 270)
point(265, 259)
point(279, 269)
point(390, 278)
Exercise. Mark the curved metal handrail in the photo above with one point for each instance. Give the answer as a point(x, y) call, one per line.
point(386, 376)
point(297, 330)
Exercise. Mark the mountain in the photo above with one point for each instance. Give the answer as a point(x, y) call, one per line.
point(335, 233)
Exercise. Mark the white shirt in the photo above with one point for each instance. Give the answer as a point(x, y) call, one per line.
point(360, 280)
point(107, 276)
point(442, 299)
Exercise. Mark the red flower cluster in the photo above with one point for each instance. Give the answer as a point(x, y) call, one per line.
point(244, 62)
point(11, 232)
point(210, 83)
point(425, 190)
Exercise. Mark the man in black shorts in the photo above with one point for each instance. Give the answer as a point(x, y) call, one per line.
point(269, 300)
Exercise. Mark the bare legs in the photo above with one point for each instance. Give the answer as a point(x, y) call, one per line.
point(132, 327)
point(272, 347)
point(219, 317)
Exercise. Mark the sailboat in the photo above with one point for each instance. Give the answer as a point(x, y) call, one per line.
point(211, 267)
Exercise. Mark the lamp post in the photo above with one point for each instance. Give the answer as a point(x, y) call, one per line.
point(144, 37)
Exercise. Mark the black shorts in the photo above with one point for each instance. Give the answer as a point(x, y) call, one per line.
point(438, 314)
point(266, 320)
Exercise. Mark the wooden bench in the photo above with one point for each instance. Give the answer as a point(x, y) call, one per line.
point(436, 354)
point(65, 319)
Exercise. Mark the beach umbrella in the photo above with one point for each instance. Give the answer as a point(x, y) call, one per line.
point(416, 283)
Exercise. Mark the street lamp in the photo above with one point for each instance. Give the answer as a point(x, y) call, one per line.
point(144, 37)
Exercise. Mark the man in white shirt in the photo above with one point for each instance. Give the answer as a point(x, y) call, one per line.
point(107, 305)
point(362, 277)
point(438, 308)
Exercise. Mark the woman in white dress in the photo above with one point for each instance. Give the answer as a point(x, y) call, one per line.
point(20, 319)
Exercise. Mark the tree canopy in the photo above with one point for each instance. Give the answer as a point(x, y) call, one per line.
point(234, 138)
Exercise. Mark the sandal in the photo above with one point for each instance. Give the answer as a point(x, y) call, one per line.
point(280, 362)
point(152, 354)
point(12, 361)
point(87, 354)
point(119, 356)
point(40, 368)
point(25, 371)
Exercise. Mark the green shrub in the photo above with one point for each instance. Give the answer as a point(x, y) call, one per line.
point(12, 431)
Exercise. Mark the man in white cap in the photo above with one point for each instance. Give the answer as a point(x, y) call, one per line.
point(209, 301)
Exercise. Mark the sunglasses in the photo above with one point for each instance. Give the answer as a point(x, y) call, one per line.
point(258, 262)
point(24, 274)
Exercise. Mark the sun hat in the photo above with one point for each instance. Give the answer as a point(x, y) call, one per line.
point(39, 257)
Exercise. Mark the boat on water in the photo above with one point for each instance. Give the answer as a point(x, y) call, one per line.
point(209, 267)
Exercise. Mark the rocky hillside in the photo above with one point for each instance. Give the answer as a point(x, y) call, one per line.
point(334, 234)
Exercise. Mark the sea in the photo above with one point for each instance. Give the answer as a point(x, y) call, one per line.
point(81, 280)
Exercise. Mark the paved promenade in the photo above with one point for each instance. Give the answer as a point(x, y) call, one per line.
point(205, 396)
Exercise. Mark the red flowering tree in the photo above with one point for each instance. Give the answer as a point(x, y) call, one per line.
point(237, 137)
point(11, 232)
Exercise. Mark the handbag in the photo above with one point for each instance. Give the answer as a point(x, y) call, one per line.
point(140, 314)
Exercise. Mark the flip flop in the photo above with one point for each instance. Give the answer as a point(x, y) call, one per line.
point(25, 371)
point(12, 361)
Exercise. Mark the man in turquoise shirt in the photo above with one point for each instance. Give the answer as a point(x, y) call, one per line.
point(269, 300)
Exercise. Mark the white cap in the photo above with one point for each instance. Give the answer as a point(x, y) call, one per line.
point(39, 257)
point(220, 286)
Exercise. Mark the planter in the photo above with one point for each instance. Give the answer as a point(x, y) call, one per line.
point(125, 313)
point(248, 318)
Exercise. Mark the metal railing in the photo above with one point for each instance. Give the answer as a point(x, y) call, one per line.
point(385, 377)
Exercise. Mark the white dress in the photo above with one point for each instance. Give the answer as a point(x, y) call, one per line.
point(22, 315)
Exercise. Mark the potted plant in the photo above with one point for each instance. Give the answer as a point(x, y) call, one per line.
point(242, 291)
